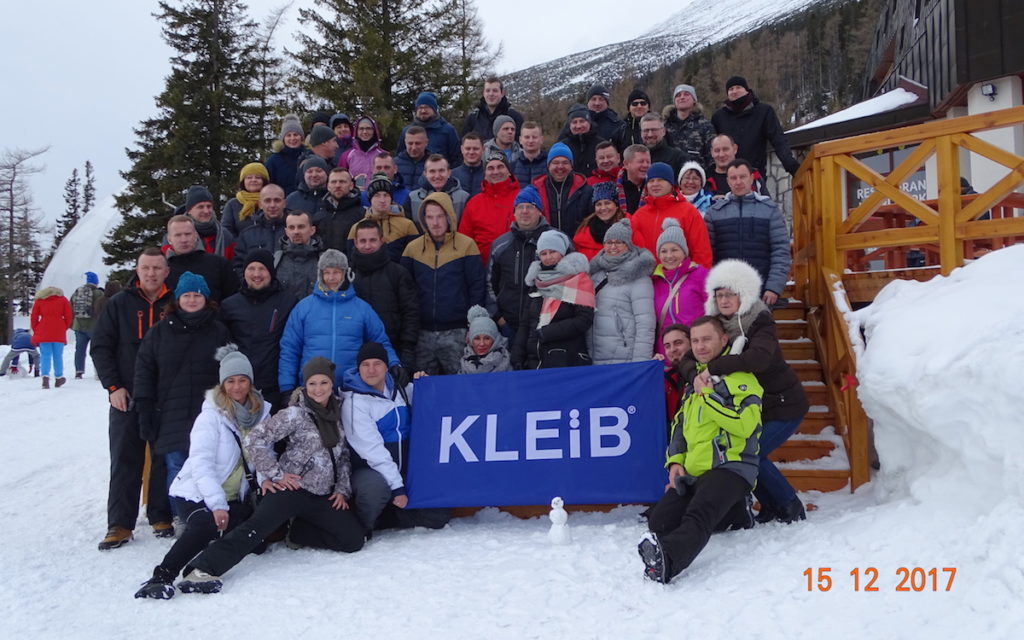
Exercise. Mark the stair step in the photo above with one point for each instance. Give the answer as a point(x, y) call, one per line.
point(815, 421)
point(791, 329)
point(817, 393)
point(818, 479)
point(793, 450)
point(801, 349)
point(806, 370)
point(792, 312)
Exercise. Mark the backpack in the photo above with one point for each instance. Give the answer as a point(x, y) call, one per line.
point(82, 301)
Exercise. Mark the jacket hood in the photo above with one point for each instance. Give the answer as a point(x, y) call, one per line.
point(636, 266)
point(570, 264)
point(500, 109)
point(46, 292)
point(443, 199)
point(350, 381)
point(369, 262)
point(736, 276)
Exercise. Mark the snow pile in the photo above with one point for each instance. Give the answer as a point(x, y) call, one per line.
point(80, 251)
point(941, 377)
point(888, 101)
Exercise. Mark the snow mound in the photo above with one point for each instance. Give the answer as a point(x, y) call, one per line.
point(940, 375)
point(80, 251)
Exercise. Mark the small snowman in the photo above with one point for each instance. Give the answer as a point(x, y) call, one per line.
point(559, 532)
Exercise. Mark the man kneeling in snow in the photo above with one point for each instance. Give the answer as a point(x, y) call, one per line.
point(712, 461)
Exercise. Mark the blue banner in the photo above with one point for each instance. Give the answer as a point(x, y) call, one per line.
point(592, 435)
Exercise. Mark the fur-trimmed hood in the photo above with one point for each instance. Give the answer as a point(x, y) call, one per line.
point(639, 263)
point(46, 292)
point(736, 276)
point(571, 263)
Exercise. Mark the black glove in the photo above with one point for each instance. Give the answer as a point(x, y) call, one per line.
point(400, 375)
point(149, 425)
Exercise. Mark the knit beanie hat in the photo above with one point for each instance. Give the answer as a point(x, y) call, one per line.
point(291, 124)
point(500, 121)
point(261, 256)
point(598, 90)
point(554, 240)
point(196, 194)
point(663, 171)
point(318, 364)
point(370, 351)
point(379, 182)
point(427, 98)
point(191, 283)
point(529, 195)
point(579, 111)
point(253, 169)
point(672, 233)
point(560, 150)
point(92, 278)
point(693, 166)
point(337, 119)
point(232, 362)
point(621, 230)
point(323, 117)
point(499, 156)
point(480, 323)
point(735, 81)
point(638, 94)
point(680, 88)
point(320, 135)
point(332, 258)
point(605, 191)
point(314, 161)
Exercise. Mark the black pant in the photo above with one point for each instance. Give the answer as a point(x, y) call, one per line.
point(316, 524)
point(127, 460)
point(684, 523)
point(199, 531)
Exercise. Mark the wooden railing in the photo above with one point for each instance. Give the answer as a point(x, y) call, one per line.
point(831, 239)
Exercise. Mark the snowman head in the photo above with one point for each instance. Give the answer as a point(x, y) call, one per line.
point(556, 503)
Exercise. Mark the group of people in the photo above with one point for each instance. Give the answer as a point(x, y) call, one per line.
point(338, 269)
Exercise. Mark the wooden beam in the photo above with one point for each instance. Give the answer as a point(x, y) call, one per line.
point(887, 238)
point(951, 249)
point(909, 165)
point(993, 195)
point(988, 150)
point(978, 229)
point(917, 133)
point(831, 206)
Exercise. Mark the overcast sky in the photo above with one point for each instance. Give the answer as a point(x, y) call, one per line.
point(79, 76)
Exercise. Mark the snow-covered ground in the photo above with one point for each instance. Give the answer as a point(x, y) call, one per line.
point(940, 374)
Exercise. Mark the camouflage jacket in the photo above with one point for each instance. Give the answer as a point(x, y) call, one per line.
point(692, 136)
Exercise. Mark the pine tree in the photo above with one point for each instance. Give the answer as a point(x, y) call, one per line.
point(375, 56)
point(21, 258)
point(208, 125)
point(72, 207)
point(276, 96)
point(88, 189)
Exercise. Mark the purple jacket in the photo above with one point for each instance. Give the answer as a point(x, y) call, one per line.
point(688, 303)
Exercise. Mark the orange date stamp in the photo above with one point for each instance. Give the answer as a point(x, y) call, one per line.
point(908, 579)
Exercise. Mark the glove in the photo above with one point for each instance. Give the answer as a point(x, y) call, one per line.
point(399, 375)
point(148, 424)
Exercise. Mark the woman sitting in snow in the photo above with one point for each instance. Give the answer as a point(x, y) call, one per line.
point(485, 350)
point(212, 490)
point(308, 482)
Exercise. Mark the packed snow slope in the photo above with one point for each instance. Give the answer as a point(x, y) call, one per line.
point(940, 375)
point(695, 25)
point(80, 251)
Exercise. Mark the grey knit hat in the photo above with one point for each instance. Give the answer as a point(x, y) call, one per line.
point(672, 233)
point(500, 121)
point(621, 230)
point(320, 135)
point(291, 124)
point(554, 240)
point(379, 182)
point(680, 88)
point(480, 323)
point(232, 362)
point(318, 364)
point(332, 258)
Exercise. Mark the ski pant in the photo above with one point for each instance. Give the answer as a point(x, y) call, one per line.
point(440, 352)
point(51, 353)
point(316, 524)
point(372, 500)
point(684, 524)
point(773, 490)
point(13, 356)
point(81, 345)
point(127, 460)
point(199, 531)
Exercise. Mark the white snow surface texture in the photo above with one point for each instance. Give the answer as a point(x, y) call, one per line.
point(940, 376)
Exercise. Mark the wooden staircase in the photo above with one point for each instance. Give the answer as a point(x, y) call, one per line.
point(814, 459)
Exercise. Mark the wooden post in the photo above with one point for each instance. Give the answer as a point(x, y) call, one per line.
point(951, 250)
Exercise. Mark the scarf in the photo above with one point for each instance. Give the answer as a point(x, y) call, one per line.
point(497, 359)
point(249, 201)
point(192, 319)
point(245, 418)
point(734, 325)
point(620, 191)
point(576, 288)
point(326, 420)
point(739, 104)
point(599, 227)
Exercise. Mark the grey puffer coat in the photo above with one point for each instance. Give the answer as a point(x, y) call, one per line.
point(624, 319)
point(305, 456)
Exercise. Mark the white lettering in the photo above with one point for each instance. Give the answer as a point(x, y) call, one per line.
point(533, 434)
point(451, 438)
point(616, 430)
point(492, 454)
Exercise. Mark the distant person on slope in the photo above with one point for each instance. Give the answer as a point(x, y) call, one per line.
point(51, 317)
point(86, 303)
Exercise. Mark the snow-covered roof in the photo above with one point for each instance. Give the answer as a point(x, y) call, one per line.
point(888, 101)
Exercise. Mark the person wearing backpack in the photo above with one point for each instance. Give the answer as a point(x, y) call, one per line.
point(86, 303)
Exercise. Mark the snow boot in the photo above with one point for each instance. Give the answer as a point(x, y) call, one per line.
point(46, 382)
point(116, 537)
point(159, 587)
point(656, 565)
point(79, 374)
point(791, 512)
point(163, 530)
point(59, 382)
point(199, 581)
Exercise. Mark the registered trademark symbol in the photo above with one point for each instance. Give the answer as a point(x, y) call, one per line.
point(631, 409)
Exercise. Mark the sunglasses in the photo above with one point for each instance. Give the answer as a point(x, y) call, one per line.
point(638, 103)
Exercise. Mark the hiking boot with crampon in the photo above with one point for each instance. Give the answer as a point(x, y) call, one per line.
point(655, 563)
point(163, 530)
point(116, 537)
point(159, 587)
point(199, 581)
